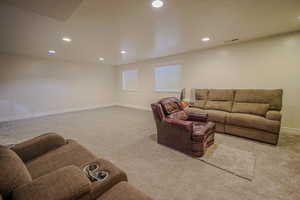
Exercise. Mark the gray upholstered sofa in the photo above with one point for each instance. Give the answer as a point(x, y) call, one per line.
point(253, 114)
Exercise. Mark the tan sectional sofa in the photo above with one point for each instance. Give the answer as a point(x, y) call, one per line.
point(253, 114)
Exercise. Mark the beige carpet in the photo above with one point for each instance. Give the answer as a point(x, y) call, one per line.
point(127, 137)
point(232, 160)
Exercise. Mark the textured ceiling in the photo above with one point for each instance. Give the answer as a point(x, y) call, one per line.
point(101, 28)
point(58, 9)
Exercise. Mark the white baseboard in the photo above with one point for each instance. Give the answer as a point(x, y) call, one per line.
point(291, 130)
point(43, 114)
point(285, 129)
point(134, 106)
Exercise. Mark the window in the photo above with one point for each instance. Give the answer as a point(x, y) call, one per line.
point(168, 78)
point(130, 79)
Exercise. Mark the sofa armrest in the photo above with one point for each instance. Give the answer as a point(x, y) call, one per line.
point(187, 125)
point(273, 115)
point(193, 116)
point(38, 146)
point(65, 183)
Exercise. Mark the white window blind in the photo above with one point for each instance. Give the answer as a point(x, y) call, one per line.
point(130, 79)
point(168, 78)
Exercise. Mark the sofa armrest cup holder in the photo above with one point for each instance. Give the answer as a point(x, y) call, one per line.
point(95, 173)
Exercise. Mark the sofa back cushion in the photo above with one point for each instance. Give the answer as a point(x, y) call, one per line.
point(200, 98)
point(219, 100)
point(220, 95)
point(251, 108)
point(13, 172)
point(201, 94)
point(271, 97)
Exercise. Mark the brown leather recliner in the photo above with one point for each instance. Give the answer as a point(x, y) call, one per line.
point(179, 129)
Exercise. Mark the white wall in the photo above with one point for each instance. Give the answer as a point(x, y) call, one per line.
point(32, 87)
point(261, 64)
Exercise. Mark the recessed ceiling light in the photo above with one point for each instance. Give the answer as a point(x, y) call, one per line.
point(66, 39)
point(50, 52)
point(123, 52)
point(205, 39)
point(101, 59)
point(157, 3)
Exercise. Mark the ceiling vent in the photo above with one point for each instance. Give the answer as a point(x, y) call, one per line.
point(233, 40)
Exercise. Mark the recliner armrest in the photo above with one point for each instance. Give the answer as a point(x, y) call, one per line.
point(65, 183)
point(38, 146)
point(187, 125)
point(273, 115)
point(193, 116)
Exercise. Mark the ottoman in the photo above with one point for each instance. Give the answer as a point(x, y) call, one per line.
point(203, 137)
point(124, 191)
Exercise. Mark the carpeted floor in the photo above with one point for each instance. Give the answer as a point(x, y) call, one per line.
point(127, 137)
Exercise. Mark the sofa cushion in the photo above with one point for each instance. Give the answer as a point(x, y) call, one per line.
point(271, 97)
point(37, 146)
point(253, 121)
point(65, 183)
point(251, 108)
point(196, 110)
point(201, 94)
point(198, 103)
point(221, 95)
point(13, 172)
point(69, 154)
point(219, 105)
point(216, 115)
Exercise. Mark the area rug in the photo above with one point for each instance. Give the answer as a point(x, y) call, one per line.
point(232, 160)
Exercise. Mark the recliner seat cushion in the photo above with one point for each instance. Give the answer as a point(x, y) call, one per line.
point(253, 121)
point(181, 115)
point(251, 108)
point(13, 172)
point(69, 154)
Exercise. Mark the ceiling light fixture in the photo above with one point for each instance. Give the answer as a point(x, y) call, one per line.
point(66, 39)
point(50, 52)
point(123, 52)
point(101, 59)
point(157, 3)
point(205, 39)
